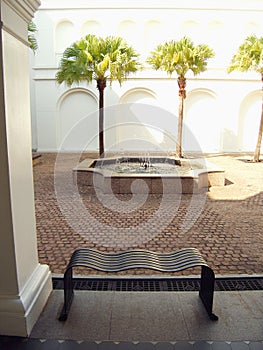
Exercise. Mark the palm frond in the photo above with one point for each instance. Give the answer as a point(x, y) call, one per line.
point(180, 57)
point(96, 58)
point(249, 56)
point(93, 57)
point(32, 28)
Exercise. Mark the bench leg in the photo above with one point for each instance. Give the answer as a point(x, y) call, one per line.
point(206, 292)
point(68, 294)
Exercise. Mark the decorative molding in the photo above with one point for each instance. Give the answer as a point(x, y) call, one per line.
point(15, 35)
point(15, 14)
point(74, 90)
point(134, 90)
point(20, 312)
point(24, 8)
point(215, 5)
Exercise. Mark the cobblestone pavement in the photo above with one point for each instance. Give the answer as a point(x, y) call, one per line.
point(225, 223)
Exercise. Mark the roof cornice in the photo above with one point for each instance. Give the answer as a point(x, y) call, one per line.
point(15, 15)
point(230, 5)
point(24, 8)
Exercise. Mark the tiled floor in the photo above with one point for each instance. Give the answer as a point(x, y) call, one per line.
point(14, 343)
point(225, 224)
point(228, 232)
point(153, 317)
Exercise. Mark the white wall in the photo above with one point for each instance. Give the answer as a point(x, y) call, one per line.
point(219, 106)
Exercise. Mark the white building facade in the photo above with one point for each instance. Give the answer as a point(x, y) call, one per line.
point(222, 111)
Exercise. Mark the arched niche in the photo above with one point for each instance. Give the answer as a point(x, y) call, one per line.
point(201, 122)
point(215, 30)
point(90, 27)
point(64, 35)
point(141, 124)
point(153, 31)
point(141, 95)
point(249, 119)
point(191, 29)
point(128, 30)
point(77, 124)
point(252, 27)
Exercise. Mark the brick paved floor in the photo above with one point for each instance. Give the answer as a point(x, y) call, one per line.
point(225, 223)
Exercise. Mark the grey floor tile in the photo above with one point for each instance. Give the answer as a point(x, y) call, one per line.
point(256, 346)
point(126, 346)
point(69, 345)
point(159, 317)
point(164, 346)
point(202, 345)
point(183, 346)
point(145, 346)
point(147, 316)
point(254, 302)
point(239, 346)
point(236, 319)
point(89, 317)
point(47, 345)
point(17, 343)
point(221, 346)
point(88, 346)
point(107, 345)
point(198, 324)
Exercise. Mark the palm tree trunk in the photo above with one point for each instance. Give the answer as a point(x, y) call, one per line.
point(260, 132)
point(182, 94)
point(101, 84)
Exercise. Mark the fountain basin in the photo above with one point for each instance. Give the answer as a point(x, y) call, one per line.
point(161, 175)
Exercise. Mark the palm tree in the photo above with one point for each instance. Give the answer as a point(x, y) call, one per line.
point(180, 57)
point(100, 59)
point(249, 56)
point(31, 28)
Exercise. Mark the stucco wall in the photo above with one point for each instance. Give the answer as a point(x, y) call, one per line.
point(222, 110)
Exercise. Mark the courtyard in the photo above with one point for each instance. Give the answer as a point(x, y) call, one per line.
point(224, 223)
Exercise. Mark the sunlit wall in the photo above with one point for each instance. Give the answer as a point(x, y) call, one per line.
point(222, 110)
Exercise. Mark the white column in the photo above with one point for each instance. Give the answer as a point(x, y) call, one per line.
point(24, 283)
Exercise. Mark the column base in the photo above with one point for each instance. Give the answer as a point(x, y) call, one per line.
point(19, 313)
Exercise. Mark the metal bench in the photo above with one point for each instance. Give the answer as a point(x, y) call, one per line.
point(133, 259)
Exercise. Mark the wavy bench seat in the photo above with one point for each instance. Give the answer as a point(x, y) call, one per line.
point(132, 259)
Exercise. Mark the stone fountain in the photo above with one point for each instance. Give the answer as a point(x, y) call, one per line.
point(126, 174)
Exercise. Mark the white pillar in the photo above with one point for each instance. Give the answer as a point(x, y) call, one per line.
point(24, 283)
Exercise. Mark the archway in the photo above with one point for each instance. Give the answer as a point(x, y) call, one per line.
point(139, 118)
point(91, 27)
point(63, 35)
point(249, 118)
point(74, 106)
point(128, 29)
point(202, 120)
